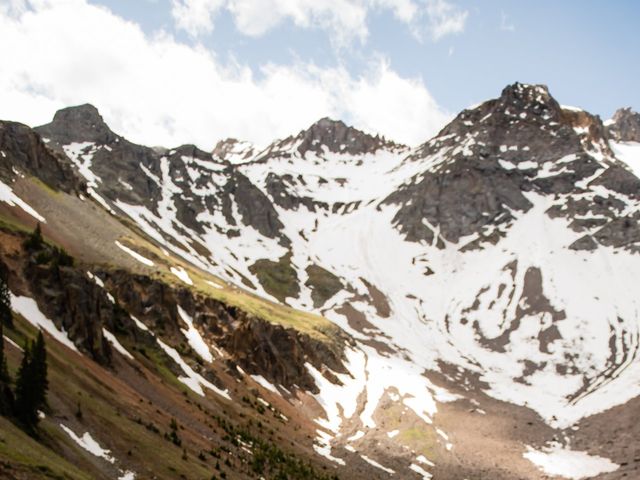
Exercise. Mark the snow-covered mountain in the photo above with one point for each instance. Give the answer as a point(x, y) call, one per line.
point(499, 260)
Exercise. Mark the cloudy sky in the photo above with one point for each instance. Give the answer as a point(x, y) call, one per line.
point(167, 72)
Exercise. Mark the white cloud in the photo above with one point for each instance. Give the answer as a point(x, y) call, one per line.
point(195, 16)
point(445, 18)
point(345, 20)
point(505, 24)
point(158, 91)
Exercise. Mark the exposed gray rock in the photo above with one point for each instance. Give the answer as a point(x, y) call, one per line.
point(625, 126)
point(23, 150)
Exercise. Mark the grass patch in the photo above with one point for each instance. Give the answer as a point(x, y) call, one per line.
point(277, 278)
point(323, 283)
point(421, 439)
point(24, 454)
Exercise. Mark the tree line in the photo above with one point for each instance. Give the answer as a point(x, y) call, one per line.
point(29, 393)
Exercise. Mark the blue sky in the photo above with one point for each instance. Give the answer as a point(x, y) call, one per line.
point(401, 67)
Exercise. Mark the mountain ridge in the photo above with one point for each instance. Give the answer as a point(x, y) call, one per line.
point(463, 275)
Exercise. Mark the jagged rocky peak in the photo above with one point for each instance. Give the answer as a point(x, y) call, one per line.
point(81, 123)
point(482, 165)
point(522, 96)
point(624, 126)
point(233, 151)
point(338, 137)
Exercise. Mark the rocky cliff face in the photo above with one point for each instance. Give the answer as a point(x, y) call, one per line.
point(22, 151)
point(276, 353)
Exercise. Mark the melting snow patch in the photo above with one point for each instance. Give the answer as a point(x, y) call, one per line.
point(420, 471)
point(7, 196)
point(135, 255)
point(11, 342)
point(127, 476)
point(96, 279)
point(425, 460)
point(214, 285)
point(393, 433)
point(322, 447)
point(89, 444)
point(194, 338)
point(139, 324)
point(182, 274)
point(28, 308)
point(265, 383)
point(560, 461)
point(111, 338)
point(377, 465)
point(191, 379)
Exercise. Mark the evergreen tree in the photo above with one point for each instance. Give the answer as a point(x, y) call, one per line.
point(34, 242)
point(39, 359)
point(4, 372)
point(5, 303)
point(6, 396)
point(26, 411)
point(31, 382)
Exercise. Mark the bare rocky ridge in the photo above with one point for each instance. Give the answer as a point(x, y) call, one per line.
point(337, 137)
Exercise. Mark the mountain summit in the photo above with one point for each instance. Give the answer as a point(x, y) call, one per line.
point(82, 123)
point(337, 137)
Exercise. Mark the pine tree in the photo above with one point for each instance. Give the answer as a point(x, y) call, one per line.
point(5, 304)
point(34, 242)
point(31, 382)
point(6, 396)
point(26, 411)
point(39, 359)
point(4, 372)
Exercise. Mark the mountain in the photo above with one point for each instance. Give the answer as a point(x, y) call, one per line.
point(466, 308)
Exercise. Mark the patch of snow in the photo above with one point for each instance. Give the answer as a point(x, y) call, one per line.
point(139, 324)
point(96, 279)
point(89, 444)
point(127, 475)
point(563, 462)
point(28, 308)
point(193, 380)
point(111, 338)
point(420, 471)
point(182, 274)
point(322, 446)
point(194, 338)
point(135, 255)
point(7, 196)
point(425, 460)
point(377, 465)
point(393, 433)
point(214, 285)
point(265, 383)
point(14, 344)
